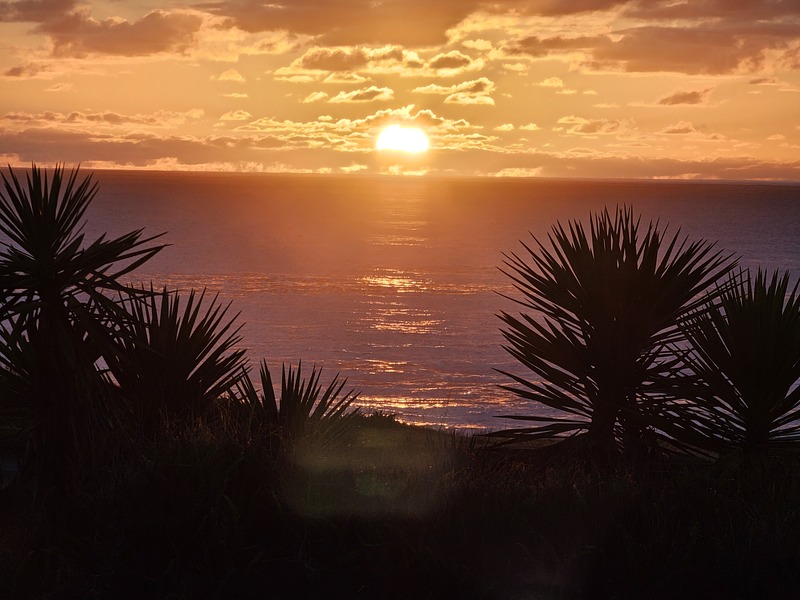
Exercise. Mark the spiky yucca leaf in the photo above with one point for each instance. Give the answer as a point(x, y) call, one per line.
point(604, 305)
point(174, 359)
point(303, 407)
point(744, 368)
point(55, 289)
point(17, 377)
point(307, 407)
point(46, 265)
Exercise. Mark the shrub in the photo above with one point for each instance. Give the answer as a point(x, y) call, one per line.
point(59, 317)
point(175, 360)
point(742, 369)
point(604, 308)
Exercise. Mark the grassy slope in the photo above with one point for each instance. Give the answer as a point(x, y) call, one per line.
point(399, 512)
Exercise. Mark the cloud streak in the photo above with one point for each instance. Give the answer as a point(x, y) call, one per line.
point(370, 94)
point(476, 91)
point(78, 35)
point(691, 97)
point(507, 87)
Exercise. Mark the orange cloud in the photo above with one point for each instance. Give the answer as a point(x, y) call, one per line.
point(681, 128)
point(696, 50)
point(287, 150)
point(334, 59)
point(370, 94)
point(554, 8)
point(539, 47)
point(344, 77)
point(344, 22)
point(231, 75)
point(342, 62)
point(28, 71)
point(581, 126)
point(315, 97)
point(519, 53)
point(112, 119)
point(691, 131)
point(554, 82)
point(694, 97)
point(476, 91)
point(35, 11)
point(236, 115)
point(450, 60)
point(326, 126)
point(738, 11)
point(78, 35)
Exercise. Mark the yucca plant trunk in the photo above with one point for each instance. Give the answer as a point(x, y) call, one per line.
point(62, 444)
point(50, 454)
point(601, 428)
point(604, 306)
point(756, 438)
point(56, 289)
point(53, 452)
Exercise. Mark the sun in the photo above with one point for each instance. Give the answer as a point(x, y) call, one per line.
point(404, 139)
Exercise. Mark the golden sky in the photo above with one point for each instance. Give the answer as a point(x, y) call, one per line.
point(551, 88)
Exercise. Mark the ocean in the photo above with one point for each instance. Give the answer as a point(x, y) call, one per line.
point(395, 283)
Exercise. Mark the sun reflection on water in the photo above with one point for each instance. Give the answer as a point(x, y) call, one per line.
point(389, 329)
point(395, 280)
point(394, 317)
point(386, 366)
point(398, 240)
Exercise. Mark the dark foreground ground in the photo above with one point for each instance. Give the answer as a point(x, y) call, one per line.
point(394, 511)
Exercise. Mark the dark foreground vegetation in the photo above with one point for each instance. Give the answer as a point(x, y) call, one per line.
point(399, 512)
point(143, 458)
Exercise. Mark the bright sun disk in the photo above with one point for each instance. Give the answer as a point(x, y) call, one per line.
point(405, 139)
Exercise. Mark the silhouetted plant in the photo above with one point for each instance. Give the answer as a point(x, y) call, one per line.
point(604, 307)
point(57, 297)
point(173, 360)
point(16, 383)
point(303, 409)
point(743, 369)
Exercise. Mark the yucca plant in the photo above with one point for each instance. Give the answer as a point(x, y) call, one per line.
point(303, 408)
point(175, 360)
point(16, 384)
point(602, 307)
point(57, 296)
point(743, 369)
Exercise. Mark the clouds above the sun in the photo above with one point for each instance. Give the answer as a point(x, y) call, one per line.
point(541, 87)
point(708, 36)
point(370, 94)
point(77, 35)
point(477, 91)
point(685, 97)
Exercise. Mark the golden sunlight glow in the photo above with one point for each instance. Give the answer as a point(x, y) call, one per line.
point(405, 139)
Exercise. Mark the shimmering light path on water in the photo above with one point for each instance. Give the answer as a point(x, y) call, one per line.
point(394, 282)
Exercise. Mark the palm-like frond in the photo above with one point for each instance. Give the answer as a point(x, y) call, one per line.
point(744, 365)
point(303, 409)
point(46, 263)
point(56, 303)
point(17, 371)
point(305, 405)
point(174, 360)
point(604, 304)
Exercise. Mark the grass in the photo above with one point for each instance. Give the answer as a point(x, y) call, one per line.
point(396, 511)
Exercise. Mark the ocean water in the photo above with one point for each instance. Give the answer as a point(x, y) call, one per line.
point(394, 283)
